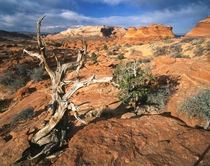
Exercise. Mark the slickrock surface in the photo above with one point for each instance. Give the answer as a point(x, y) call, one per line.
point(202, 29)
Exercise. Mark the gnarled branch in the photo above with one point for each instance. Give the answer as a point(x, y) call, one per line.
point(51, 136)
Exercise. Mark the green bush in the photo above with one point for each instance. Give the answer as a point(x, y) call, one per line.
point(199, 51)
point(188, 39)
point(120, 56)
point(37, 74)
point(197, 106)
point(109, 53)
point(140, 44)
point(21, 69)
point(197, 41)
point(208, 46)
point(94, 57)
point(133, 82)
point(97, 49)
point(178, 55)
point(160, 51)
point(12, 81)
point(176, 48)
point(145, 60)
point(105, 47)
point(116, 48)
point(127, 45)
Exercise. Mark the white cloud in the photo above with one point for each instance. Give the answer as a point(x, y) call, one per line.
point(110, 2)
point(182, 19)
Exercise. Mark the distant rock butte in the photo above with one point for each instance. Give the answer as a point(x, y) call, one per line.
point(202, 29)
point(152, 31)
point(91, 31)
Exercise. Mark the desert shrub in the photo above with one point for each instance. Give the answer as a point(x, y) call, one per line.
point(208, 46)
point(21, 69)
point(105, 47)
point(197, 106)
point(187, 40)
point(116, 48)
point(199, 51)
point(140, 44)
point(166, 38)
point(12, 81)
point(24, 114)
point(9, 53)
point(158, 96)
point(134, 51)
point(197, 41)
point(37, 74)
point(127, 45)
point(146, 60)
point(179, 56)
point(133, 82)
point(120, 56)
point(160, 51)
point(109, 53)
point(94, 57)
point(5, 56)
point(176, 48)
point(97, 49)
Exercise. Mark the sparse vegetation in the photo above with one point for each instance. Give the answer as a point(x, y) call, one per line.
point(160, 51)
point(94, 57)
point(187, 40)
point(198, 106)
point(37, 74)
point(208, 46)
point(179, 56)
point(167, 38)
point(127, 45)
point(197, 41)
point(140, 44)
point(105, 47)
point(24, 114)
point(109, 53)
point(116, 48)
point(199, 51)
point(12, 81)
point(146, 60)
point(97, 49)
point(176, 48)
point(120, 56)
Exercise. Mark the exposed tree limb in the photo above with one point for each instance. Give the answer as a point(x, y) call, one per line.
point(51, 135)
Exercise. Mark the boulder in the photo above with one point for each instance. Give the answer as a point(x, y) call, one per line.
point(152, 31)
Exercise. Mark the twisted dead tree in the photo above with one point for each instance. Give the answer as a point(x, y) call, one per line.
point(51, 136)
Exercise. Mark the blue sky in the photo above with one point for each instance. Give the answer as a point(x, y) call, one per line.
point(22, 15)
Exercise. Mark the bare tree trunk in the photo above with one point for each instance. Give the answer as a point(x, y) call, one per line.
point(49, 136)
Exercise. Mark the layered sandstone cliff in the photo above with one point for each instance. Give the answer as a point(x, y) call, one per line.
point(91, 31)
point(202, 29)
point(152, 31)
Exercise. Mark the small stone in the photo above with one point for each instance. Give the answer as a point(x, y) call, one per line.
point(128, 115)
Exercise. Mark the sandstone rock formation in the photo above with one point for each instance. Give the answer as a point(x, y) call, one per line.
point(152, 31)
point(202, 29)
point(90, 31)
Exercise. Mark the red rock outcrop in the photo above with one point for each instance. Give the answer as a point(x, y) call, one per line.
point(90, 31)
point(202, 29)
point(152, 31)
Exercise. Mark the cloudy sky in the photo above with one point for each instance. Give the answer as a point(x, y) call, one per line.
point(22, 15)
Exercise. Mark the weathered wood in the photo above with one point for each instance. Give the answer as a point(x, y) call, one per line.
point(48, 136)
